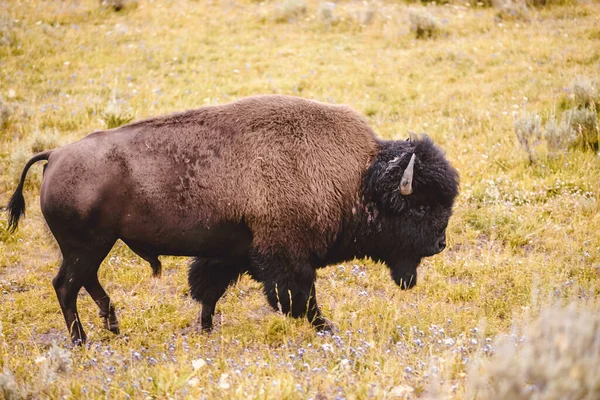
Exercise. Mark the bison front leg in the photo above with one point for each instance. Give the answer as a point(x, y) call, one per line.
point(290, 288)
point(298, 299)
point(208, 279)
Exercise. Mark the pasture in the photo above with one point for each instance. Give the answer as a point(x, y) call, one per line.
point(509, 92)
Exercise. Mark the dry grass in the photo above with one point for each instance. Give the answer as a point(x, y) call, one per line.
point(517, 225)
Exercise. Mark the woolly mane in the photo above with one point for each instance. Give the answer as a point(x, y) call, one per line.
point(435, 181)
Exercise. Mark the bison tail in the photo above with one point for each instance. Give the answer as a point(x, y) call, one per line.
point(16, 204)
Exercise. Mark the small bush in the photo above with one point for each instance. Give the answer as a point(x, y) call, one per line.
point(289, 10)
point(584, 92)
point(352, 14)
point(45, 140)
point(57, 361)
point(8, 36)
point(528, 129)
point(9, 389)
point(556, 357)
point(6, 110)
point(423, 24)
point(511, 10)
point(115, 115)
point(327, 11)
point(558, 136)
point(584, 121)
point(366, 15)
point(114, 120)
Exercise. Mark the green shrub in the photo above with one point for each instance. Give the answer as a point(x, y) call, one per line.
point(115, 114)
point(114, 120)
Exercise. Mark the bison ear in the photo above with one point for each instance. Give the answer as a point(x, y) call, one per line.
point(407, 177)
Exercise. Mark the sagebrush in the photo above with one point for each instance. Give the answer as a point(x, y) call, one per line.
point(552, 358)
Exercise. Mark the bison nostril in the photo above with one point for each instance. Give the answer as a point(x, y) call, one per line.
point(442, 244)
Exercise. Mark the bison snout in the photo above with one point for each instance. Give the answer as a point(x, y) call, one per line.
point(442, 244)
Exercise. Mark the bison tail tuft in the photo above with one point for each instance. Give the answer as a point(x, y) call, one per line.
point(16, 209)
point(16, 204)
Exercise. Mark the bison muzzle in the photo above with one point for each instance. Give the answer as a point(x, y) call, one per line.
point(273, 186)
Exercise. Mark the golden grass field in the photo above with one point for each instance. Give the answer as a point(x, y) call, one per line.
point(524, 240)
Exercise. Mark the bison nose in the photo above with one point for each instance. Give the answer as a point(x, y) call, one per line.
point(442, 244)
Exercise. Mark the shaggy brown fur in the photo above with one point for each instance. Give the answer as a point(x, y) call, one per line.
point(264, 184)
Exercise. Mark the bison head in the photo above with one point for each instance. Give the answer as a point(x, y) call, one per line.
point(412, 187)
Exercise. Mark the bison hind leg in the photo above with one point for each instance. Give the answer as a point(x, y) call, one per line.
point(81, 261)
point(209, 278)
point(107, 309)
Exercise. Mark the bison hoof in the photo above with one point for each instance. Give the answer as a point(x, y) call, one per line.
point(203, 327)
point(325, 326)
point(112, 326)
point(206, 329)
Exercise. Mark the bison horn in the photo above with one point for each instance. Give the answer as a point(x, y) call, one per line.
point(407, 177)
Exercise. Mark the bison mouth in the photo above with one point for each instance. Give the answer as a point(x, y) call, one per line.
point(404, 273)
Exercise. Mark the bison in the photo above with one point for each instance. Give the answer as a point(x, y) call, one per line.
point(273, 186)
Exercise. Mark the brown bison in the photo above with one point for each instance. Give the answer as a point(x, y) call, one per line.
point(274, 186)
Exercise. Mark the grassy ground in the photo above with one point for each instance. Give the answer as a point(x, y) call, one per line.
point(524, 233)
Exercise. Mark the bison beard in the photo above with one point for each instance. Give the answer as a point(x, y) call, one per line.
point(272, 186)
